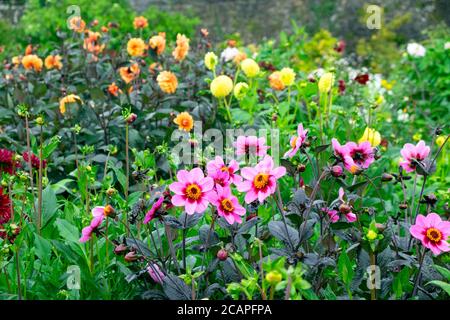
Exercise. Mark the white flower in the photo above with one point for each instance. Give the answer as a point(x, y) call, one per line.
point(229, 54)
point(416, 50)
point(447, 46)
point(402, 116)
point(316, 74)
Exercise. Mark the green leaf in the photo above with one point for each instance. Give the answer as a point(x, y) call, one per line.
point(67, 230)
point(443, 285)
point(49, 205)
point(444, 271)
point(345, 268)
point(43, 248)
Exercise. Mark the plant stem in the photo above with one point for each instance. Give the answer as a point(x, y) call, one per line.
point(19, 290)
point(184, 241)
point(416, 281)
point(30, 168)
point(127, 181)
point(39, 221)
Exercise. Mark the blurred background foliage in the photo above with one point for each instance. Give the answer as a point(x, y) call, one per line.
point(250, 21)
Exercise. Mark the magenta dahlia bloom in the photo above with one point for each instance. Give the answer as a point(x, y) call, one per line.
point(155, 273)
point(5, 207)
point(86, 233)
point(7, 163)
point(192, 190)
point(34, 160)
point(227, 205)
point(222, 174)
point(332, 214)
point(297, 141)
point(432, 231)
point(342, 153)
point(151, 214)
point(260, 181)
point(345, 208)
point(412, 154)
point(362, 154)
point(251, 145)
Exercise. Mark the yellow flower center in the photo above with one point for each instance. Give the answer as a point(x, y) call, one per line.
point(294, 142)
point(261, 180)
point(227, 205)
point(434, 235)
point(225, 169)
point(193, 191)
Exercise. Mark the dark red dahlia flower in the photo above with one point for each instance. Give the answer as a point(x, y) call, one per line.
point(7, 163)
point(340, 46)
point(341, 87)
point(34, 160)
point(362, 78)
point(5, 207)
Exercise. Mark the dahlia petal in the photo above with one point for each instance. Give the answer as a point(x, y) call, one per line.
point(190, 207)
point(417, 232)
point(98, 211)
point(206, 184)
point(351, 217)
point(202, 205)
point(248, 173)
point(279, 172)
point(433, 219)
point(244, 186)
point(250, 196)
point(183, 176)
point(178, 200)
point(196, 174)
point(177, 187)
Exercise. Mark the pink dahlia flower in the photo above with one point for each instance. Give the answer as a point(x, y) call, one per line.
point(297, 141)
point(432, 231)
point(151, 214)
point(155, 273)
point(227, 205)
point(345, 208)
point(342, 153)
point(251, 145)
point(221, 174)
point(362, 154)
point(260, 181)
point(332, 214)
point(192, 190)
point(412, 154)
point(86, 233)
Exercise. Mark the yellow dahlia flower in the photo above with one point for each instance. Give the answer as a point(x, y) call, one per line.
point(221, 86)
point(184, 121)
point(240, 90)
point(211, 60)
point(250, 68)
point(53, 62)
point(275, 81)
point(372, 136)
point(326, 82)
point(71, 98)
point(287, 76)
point(32, 61)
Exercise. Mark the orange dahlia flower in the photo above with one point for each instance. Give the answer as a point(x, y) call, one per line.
point(184, 121)
point(77, 24)
point(92, 43)
point(32, 61)
point(130, 73)
point(135, 47)
point(158, 43)
point(275, 81)
point(182, 48)
point(114, 89)
point(140, 22)
point(167, 81)
point(53, 62)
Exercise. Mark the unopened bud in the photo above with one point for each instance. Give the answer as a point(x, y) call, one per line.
point(109, 210)
point(120, 249)
point(131, 256)
point(40, 121)
point(222, 255)
point(386, 177)
point(110, 192)
point(131, 118)
point(336, 171)
point(403, 206)
point(301, 168)
point(345, 208)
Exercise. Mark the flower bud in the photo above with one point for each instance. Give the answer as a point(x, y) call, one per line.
point(301, 167)
point(345, 208)
point(385, 177)
point(40, 121)
point(222, 255)
point(110, 192)
point(336, 171)
point(371, 235)
point(109, 210)
point(120, 249)
point(403, 206)
point(273, 277)
point(274, 117)
point(131, 118)
point(131, 256)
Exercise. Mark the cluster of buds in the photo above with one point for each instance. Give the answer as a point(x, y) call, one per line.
point(22, 111)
